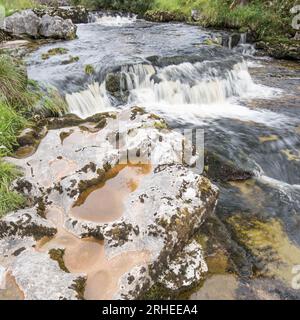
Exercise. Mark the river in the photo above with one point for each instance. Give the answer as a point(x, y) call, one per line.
point(248, 107)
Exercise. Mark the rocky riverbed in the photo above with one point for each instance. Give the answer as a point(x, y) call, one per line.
point(228, 230)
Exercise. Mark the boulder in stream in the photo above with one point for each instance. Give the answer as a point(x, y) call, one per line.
point(23, 23)
point(135, 220)
point(57, 28)
point(27, 23)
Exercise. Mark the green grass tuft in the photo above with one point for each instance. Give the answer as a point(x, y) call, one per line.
point(11, 6)
point(89, 69)
point(265, 18)
point(10, 123)
point(13, 83)
point(55, 103)
point(9, 200)
point(54, 52)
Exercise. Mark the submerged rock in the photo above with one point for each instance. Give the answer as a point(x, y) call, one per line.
point(218, 168)
point(157, 218)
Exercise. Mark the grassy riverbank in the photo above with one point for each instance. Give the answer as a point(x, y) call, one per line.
point(14, 5)
point(265, 19)
point(13, 94)
point(18, 100)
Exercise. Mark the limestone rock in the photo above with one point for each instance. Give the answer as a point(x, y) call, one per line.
point(24, 223)
point(289, 49)
point(187, 268)
point(23, 23)
point(40, 278)
point(297, 36)
point(57, 28)
point(159, 217)
point(30, 24)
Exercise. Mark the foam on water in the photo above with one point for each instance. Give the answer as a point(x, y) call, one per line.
point(109, 20)
point(187, 84)
point(190, 92)
point(90, 101)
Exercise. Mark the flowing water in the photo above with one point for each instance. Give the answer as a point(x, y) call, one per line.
point(248, 107)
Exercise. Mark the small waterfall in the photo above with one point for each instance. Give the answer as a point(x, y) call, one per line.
point(238, 43)
point(188, 84)
point(230, 42)
point(243, 39)
point(137, 75)
point(245, 48)
point(90, 101)
point(206, 86)
point(111, 19)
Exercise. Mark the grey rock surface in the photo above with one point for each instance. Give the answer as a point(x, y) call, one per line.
point(57, 28)
point(40, 278)
point(23, 23)
point(160, 216)
point(27, 23)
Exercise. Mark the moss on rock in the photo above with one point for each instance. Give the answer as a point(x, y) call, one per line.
point(58, 255)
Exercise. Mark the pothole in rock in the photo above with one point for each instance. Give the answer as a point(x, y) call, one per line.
point(88, 256)
point(105, 202)
point(11, 290)
point(61, 167)
point(72, 138)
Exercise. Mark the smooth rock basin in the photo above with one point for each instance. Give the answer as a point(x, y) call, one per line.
point(11, 291)
point(105, 201)
point(88, 256)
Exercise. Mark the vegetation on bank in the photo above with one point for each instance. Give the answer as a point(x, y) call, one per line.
point(18, 100)
point(13, 95)
point(10, 124)
point(136, 6)
point(12, 6)
point(264, 18)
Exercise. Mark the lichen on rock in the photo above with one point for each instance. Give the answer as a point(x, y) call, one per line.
point(160, 214)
